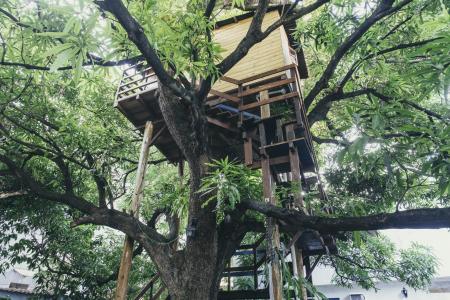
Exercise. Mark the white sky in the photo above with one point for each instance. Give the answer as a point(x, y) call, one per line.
point(437, 239)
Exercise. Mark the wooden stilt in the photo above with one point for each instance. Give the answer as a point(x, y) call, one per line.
point(273, 237)
point(127, 254)
point(273, 234)
point(297, 256)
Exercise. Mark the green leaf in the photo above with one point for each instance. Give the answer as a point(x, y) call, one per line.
point(61, 60)
point(56, 49)
point(56, 35)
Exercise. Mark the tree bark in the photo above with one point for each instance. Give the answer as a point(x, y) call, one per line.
point(197, 263)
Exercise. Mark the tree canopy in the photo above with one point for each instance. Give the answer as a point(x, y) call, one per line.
point(378, 104)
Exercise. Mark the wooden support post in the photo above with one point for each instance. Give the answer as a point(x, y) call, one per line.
point(248, 149)
point(273, 234)
point(296, 253)
point(297, 108)
point(127, 254)
point(265, 109)
point(273, 237)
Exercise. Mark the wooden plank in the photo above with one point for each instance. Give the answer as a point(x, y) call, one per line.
point(267, 73)
point(297, 257)
point(224, 95)
point(248, 150)
point(222, 124)
point(243, 294)
point(266, 87)
point(268, 101)
point(122, 84)
point(146, 287)
point(136, 73)
point(273, 237)
point(265, 109)
point(137, 87)
point(273, 161)
point(230, 80)
point(158, 293)
point(297, 107)
point(127, 255)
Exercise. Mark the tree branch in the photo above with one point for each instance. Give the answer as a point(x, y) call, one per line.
point(383, 9)
point(323, 106)
point(292, 220)
point(411, 104)
point(209, 8)
point(137, 36)
point(101, 63)
point(67, 199)
point(355, 66)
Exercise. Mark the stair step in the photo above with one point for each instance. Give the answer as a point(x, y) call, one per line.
point(244, 294)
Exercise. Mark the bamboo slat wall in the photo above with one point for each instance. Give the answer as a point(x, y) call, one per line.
point(267, 55)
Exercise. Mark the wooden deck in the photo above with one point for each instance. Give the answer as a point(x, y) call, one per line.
point(232, 115)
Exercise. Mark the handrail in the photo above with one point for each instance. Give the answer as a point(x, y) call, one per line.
point(148, 286)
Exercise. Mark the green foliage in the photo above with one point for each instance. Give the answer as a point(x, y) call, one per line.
point(395, 155)
point(80, 262)
point(227, 183)
point(295, 285)
point(368, 258)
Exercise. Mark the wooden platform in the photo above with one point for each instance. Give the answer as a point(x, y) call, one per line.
point(229, 113)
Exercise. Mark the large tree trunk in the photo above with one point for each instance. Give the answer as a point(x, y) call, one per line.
point(196, 275)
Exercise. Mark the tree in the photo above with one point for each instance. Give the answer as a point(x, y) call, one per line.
point(378, 68)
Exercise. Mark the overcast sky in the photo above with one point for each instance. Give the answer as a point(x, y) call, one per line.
point(437, 239)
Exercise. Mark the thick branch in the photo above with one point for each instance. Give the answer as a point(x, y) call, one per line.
point(320, 111)
point(101, 63)
point(67, 199)
point(209, 8)
point(414, 218)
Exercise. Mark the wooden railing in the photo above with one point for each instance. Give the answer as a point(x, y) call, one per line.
point(136, 79)
point(151, 290)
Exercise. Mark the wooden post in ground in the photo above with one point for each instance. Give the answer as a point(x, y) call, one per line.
point(296, 253)
point(127, 254)
point(273, 234)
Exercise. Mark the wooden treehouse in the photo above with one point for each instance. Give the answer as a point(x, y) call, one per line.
point(255, 115)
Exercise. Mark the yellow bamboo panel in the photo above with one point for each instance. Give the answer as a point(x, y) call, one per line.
point(265, 56)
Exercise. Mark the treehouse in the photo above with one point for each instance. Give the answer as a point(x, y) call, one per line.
point(255, 115)
point(261, 86)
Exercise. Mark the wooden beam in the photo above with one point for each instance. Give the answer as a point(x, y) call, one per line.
point(297, 257)
point(268, 73)
point(273, 234)
point(265, 109)
point(127, 254)
point(248, 150)
point(147, 287)
point(266, 87)
point(225, 96)
point(268, 101)
point(222, 124)
point(230, 80)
